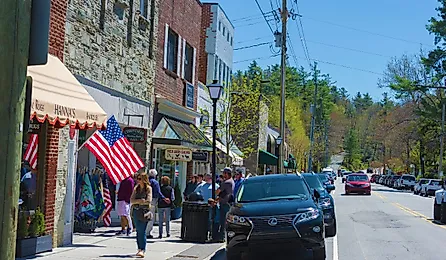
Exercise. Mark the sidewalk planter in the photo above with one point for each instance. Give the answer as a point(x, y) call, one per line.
point(33, 245)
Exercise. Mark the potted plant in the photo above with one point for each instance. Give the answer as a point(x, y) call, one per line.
point(31, 238)
point(177, 203)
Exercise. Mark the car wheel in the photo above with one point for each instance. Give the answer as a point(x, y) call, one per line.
point(331, 231)
point(369, 193)
point(319, 254)
point(231, 255)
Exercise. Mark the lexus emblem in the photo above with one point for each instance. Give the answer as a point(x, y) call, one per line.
point(272, 222)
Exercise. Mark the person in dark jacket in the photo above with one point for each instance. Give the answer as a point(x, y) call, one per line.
point(164, 206)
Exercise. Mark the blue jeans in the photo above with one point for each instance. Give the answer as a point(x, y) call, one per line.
point(224, 209)
point(164, 212)
point(140, 232)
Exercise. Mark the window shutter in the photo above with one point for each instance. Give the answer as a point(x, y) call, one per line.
point(166, 40)
point(179, 56)
point(184, 59)
point(193, 66)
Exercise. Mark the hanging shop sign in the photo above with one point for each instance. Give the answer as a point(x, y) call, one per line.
point(200, 156)
point(189, 95)
point(34, 127)
point(135, 134)
point(184, 155)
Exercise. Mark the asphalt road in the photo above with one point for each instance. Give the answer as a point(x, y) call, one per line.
point(389, 224)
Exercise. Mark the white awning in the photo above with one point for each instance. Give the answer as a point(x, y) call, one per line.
point(236, 160)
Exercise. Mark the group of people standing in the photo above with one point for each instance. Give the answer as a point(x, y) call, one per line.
point(226, 189)
point(138, 198)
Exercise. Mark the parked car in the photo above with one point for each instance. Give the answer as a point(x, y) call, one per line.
point(417, 187)
point(430, 187)
point(326, 202)
point(330, 172)
point(358, 183)
point(374, 178)
point(344, 176)
point(405, 182)
point(278, 210)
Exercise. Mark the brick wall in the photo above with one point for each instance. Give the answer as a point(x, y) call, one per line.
point(51, 177)
point(206, 20)
point(183, 17)
point(58, 13)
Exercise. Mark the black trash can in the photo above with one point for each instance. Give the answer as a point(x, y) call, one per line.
point(437, 210)
point(195, 220)
point(443, 212)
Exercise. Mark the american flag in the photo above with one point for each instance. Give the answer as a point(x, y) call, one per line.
point(114, 152)
point(31, 151)
point(107, 201)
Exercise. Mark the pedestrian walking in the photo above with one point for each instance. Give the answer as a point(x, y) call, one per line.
point(238, 180)
point(165, 206)
point(141, 200)
point(156, 195)
point(124, 194)
point(225, 197)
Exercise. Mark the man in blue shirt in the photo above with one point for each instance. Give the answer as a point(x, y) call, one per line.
point(156, 195)
point(205, 188)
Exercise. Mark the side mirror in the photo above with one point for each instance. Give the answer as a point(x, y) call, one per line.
point(316, 194)
point(330, 188)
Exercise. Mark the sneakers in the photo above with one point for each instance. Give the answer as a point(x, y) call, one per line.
point(129, 231)
point(121, 232)
point(149, 236)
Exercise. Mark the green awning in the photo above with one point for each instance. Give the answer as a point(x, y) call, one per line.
point(267, 158)
point(285, 164)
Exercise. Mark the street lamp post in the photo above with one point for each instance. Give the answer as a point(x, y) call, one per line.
point(279, 141)
point(215, 90)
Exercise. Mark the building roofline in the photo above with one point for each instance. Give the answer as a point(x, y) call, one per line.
point(219, 6)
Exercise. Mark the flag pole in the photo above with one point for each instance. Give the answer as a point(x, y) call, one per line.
point(82, 146)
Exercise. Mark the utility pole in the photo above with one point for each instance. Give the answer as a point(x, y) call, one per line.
point(313, 120)
point(284, 14)
point(440, 166)
point(15, 23)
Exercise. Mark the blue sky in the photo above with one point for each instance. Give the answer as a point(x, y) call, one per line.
point(401, 19)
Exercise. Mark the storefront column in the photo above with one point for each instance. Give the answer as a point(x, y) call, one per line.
point(50, 176)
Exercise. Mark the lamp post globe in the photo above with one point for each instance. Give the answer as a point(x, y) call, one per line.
point(215, 90)
point(279, 140)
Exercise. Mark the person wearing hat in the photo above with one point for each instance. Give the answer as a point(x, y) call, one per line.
point(225, 195)
point(238, 180)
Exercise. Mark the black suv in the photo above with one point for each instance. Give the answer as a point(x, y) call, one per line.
point(326, 202)
point(275, 212)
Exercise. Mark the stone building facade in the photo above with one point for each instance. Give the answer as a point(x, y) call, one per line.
point(111, 48)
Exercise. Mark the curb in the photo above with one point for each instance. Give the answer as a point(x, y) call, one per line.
point(216, 253)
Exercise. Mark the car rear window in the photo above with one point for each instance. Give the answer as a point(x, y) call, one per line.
point(314, 182)
point(357, 178)
point(435, 183)
point(423, 181)
point(269, 190)
point(409, 178)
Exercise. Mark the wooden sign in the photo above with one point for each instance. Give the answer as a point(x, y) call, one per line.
point(184, 155)
point(200, 156)
point(135, 134)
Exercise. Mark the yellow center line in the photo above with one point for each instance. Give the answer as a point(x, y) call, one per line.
point(410, 211)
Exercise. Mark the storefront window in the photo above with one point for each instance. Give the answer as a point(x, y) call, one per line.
point(28, 199)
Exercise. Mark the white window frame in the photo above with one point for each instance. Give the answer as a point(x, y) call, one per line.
point(180, 39)
point(166, 38)
point(194, 57)
point(183, 71)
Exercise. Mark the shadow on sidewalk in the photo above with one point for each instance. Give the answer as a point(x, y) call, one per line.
point(118, 256)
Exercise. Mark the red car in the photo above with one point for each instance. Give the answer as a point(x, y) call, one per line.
point(358, 183)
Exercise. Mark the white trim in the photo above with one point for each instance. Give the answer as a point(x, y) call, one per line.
point(179, 56)
point(184, 58)
point(193, 66)
point(166, 39)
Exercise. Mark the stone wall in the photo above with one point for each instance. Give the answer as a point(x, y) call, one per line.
point(109, 42)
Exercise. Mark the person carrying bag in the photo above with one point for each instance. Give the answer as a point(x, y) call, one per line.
point(141, 202)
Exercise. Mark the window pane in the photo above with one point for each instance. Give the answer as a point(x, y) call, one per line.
point(216, 67)
point(188, 63)
point(224, 31)
point(172, 51)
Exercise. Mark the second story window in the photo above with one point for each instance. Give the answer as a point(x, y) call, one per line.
point(171, 46)
point(219, 26)
point(228, 36)
point(144, 8)
point(189, 62)
point(224, 31)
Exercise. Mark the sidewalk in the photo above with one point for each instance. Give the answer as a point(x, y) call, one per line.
point(104, 244)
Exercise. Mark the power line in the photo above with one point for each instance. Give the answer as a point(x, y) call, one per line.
point(302, 38)
point(252, 46)
point(258, 58)
point(364, 31)
point(345, 66)
point(351, 49)
point(263, 14)
point(249, 17)
point(255, 39)
point(293, 54)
